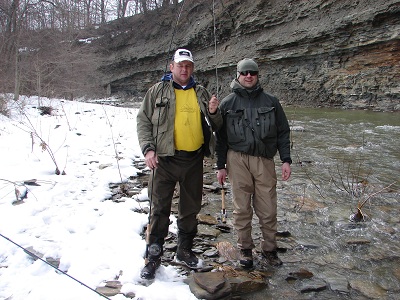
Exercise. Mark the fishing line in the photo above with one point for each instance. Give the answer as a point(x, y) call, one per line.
point(215, 48)
point(46, 262)
point(172, 38)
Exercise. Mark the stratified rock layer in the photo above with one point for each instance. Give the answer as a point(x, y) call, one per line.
point(311, 53)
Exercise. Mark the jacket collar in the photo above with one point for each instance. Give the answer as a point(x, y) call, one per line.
point(168, 77)
point(241, 90)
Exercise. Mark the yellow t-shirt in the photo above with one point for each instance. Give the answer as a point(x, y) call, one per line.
point(188, 133)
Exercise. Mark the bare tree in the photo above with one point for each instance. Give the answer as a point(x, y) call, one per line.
point(103, 11)
point(144, 5)
point(40, 52)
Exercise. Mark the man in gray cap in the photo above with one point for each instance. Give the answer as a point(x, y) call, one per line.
point(255, 127)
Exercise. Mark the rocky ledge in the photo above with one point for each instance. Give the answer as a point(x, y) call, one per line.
point(311, 53)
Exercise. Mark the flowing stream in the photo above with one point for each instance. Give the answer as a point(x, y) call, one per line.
point(341, 159)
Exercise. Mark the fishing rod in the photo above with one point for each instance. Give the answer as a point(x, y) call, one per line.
point(46, 262)
point(215, 48)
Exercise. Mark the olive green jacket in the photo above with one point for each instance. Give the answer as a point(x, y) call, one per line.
point(156, 118)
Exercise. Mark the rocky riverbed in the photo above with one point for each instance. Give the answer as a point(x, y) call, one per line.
point(314, 266)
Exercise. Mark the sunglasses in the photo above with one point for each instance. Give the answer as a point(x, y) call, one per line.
point(252, 73)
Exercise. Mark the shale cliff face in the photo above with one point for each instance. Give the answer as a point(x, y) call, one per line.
point(310, 52)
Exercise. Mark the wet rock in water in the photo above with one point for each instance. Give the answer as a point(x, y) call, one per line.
point(304, 245)
point(211, 281)
point(292, 259)
point(369, 289)
point(338, 284)
point(201, 293)
point(244, 283)
point(283, 246)
point(300, 274)
point(397, 273)
point(316, 285)
point(358, 241)
point(386, 229)
point(336, 281)
point(283, 234)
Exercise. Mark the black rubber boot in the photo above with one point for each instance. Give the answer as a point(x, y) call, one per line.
point(154, 252)
point(184, 253)
point(246, 258)
point(149, 270)
point(186, 256)
point(272, 258)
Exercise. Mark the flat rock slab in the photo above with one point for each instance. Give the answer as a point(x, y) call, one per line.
point(211, 281)
point(207, 219)
point(217, 285)
point(111, 288)
point(201, 293)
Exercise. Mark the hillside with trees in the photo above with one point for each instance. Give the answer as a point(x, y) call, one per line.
point(44, 45)
point(311, 53)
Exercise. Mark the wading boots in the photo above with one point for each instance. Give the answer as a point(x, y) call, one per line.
point(272, 258)
point(184, 253)
point(246, 258)
point(186, 256)
point(154, 252)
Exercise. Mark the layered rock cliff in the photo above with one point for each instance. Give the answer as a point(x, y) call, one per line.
point(310, 52)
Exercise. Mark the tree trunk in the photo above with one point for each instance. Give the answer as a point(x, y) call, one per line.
point(144, 5)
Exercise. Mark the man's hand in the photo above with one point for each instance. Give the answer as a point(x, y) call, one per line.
point(151, 159)
point(286, 171)
point(221, 176)
point(213, 105)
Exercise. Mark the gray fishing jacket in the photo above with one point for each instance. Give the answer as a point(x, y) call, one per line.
point(254, 123)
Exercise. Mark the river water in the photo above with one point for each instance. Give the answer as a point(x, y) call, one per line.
point(340, 158)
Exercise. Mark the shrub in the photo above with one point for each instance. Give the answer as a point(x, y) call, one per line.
point(4, 110)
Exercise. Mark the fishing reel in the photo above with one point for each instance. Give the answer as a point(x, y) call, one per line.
point(154, 250)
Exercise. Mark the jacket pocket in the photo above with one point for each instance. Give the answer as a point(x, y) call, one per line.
point(235, 126)
point(160, 115)
point(266, 123)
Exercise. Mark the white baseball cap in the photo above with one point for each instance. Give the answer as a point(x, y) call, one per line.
point(182, 55)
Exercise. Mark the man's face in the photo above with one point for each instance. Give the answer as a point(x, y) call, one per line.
point(248, 79)
point(182, 71)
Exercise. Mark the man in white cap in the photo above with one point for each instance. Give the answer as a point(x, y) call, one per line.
point(175, 125)
point(255, 127)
